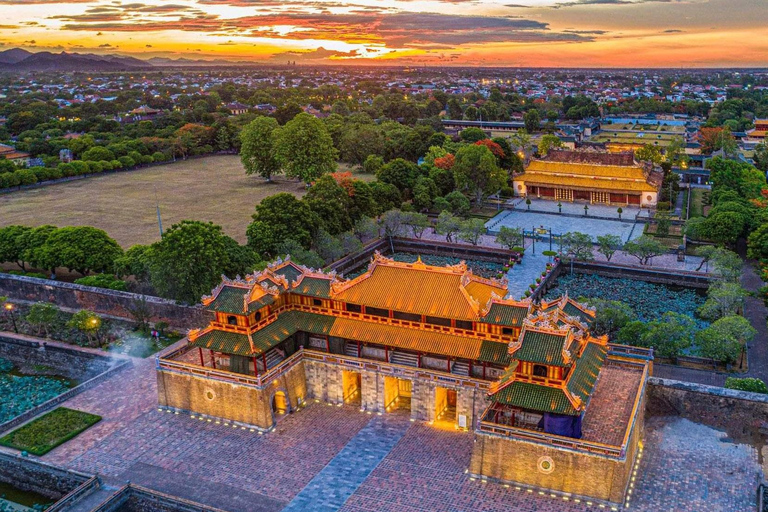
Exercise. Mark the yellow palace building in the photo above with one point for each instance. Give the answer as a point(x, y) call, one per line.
point(591, 176)
point(550, 405)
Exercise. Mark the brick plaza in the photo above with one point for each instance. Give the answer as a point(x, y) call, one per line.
point(419, 467)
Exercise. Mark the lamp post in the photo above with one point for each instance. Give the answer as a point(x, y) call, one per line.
point(11, 309)
point(94, 323)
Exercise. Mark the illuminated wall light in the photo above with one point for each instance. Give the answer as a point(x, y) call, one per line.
point(529, 490)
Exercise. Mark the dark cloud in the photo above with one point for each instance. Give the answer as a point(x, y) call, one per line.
point(318, 54)
point(613, 2)
point(395, 30)
point(587, 32)
point(672, 31)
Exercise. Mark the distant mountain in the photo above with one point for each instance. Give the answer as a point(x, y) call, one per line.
point(47, 61)
point(13, 56)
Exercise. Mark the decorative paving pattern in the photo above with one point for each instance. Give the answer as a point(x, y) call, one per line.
point(330, 488)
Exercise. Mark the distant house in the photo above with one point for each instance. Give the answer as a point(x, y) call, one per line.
point(143, 113)
point(237, 108)
point(20, 158)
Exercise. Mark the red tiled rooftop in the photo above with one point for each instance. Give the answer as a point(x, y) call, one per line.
point(610, 409)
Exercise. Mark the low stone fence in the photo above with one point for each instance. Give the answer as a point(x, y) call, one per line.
point(37, 476)
point(717, 407)
point(134, 498)
point(100, 300)
point(652, 275)
point(416, 246)
point(58, 358)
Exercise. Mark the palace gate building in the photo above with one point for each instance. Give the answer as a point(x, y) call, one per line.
point(550, 405)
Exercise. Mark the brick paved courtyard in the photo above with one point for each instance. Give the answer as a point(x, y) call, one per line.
point(685, 466)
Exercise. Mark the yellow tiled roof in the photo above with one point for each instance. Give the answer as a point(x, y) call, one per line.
point(407, 338)
point(586, 170)
point(447, 292)
point(553, 180)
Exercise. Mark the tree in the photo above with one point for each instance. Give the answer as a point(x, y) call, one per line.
point(257, 150)
point(372, 164)
point(399, 172)
point(393, 224)
point(649, 153)
point(33, 242)
point(190, 259)
point(749, 384)
point(83, 249)
point(725, 339)
point(328, 247)
point(424, 192)
point(472, 135)
point(134, 262)
point(448, 225)
point(278, 218)
point(476, 171)
point(741, 177)
point(385, 195)
point(366, 229)
point(549, 142)
point(532, 121)
point(509, 237)
point(86, 322)
point(97, 154)
point(305, 149)
point(42, 316)
point(578, 246)
point(670, 335)
point(760, 156)
point(418, 222)
point(724, 228)
point(610, 317)
point(716, 139)
point(361, 141)
point(331, 204)
point(471, 230)
point(458, 203)
point(644, 248)
point(12, 245)
point(757, 243)
point(607, 245)
point(723, 299)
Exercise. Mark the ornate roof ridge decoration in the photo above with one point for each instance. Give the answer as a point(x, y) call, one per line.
point(497, 299)
point(238, 282)
point(528, 325)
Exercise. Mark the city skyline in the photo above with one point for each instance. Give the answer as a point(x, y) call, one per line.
point(527, 33)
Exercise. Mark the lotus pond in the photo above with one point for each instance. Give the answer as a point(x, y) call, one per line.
point(486, 269)
point(16, 500)
point(20, 392)
point(649, 300)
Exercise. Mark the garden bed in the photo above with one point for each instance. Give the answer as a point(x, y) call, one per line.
point(49, 431)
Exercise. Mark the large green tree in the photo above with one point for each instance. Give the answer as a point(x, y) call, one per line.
point(305, 148)
point(83, 249)
point(189, 260)
point(475, 170)
point(12, 245)
point(257, 150)
point(278, 218)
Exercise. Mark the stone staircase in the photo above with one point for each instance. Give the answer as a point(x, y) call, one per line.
point(93, 500)
point(404, 359)
point(350, 350)
point(460, 368)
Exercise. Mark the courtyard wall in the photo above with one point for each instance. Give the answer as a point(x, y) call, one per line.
point(100, 300)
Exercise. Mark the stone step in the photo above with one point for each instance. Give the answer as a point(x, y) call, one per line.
point(93, 500)
point(404, 359)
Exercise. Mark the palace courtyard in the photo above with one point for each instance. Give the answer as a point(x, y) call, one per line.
point(328, 458)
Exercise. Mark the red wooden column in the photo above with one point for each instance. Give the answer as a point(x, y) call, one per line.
point(264, 360)
point(419, 360)
point(470, 368)
point(449, 365)
point(359, 349)
point(386, 353)
point(483, 369)
point(202, 361)
point(327, 344)
point(255, 367)
point(213, 360)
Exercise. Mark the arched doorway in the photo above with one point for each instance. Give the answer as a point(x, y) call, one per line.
point(279, 403)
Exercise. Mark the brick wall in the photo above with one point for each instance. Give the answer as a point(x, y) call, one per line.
point(66, 362)
point(39, 477)
point(219, 399)
point(102, 301)
point(717, 407)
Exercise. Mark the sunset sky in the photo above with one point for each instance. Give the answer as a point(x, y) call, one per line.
point(564, 33)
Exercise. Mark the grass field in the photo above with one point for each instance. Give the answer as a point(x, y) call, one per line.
point(49, 431)
point(213, 189)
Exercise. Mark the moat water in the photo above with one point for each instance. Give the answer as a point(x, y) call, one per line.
point(16, 500)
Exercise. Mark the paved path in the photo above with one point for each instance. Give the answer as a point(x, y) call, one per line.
point(332, 487)
point(525, 273)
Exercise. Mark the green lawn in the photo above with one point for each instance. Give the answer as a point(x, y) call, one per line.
point(49, 431)
point(697, 203)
